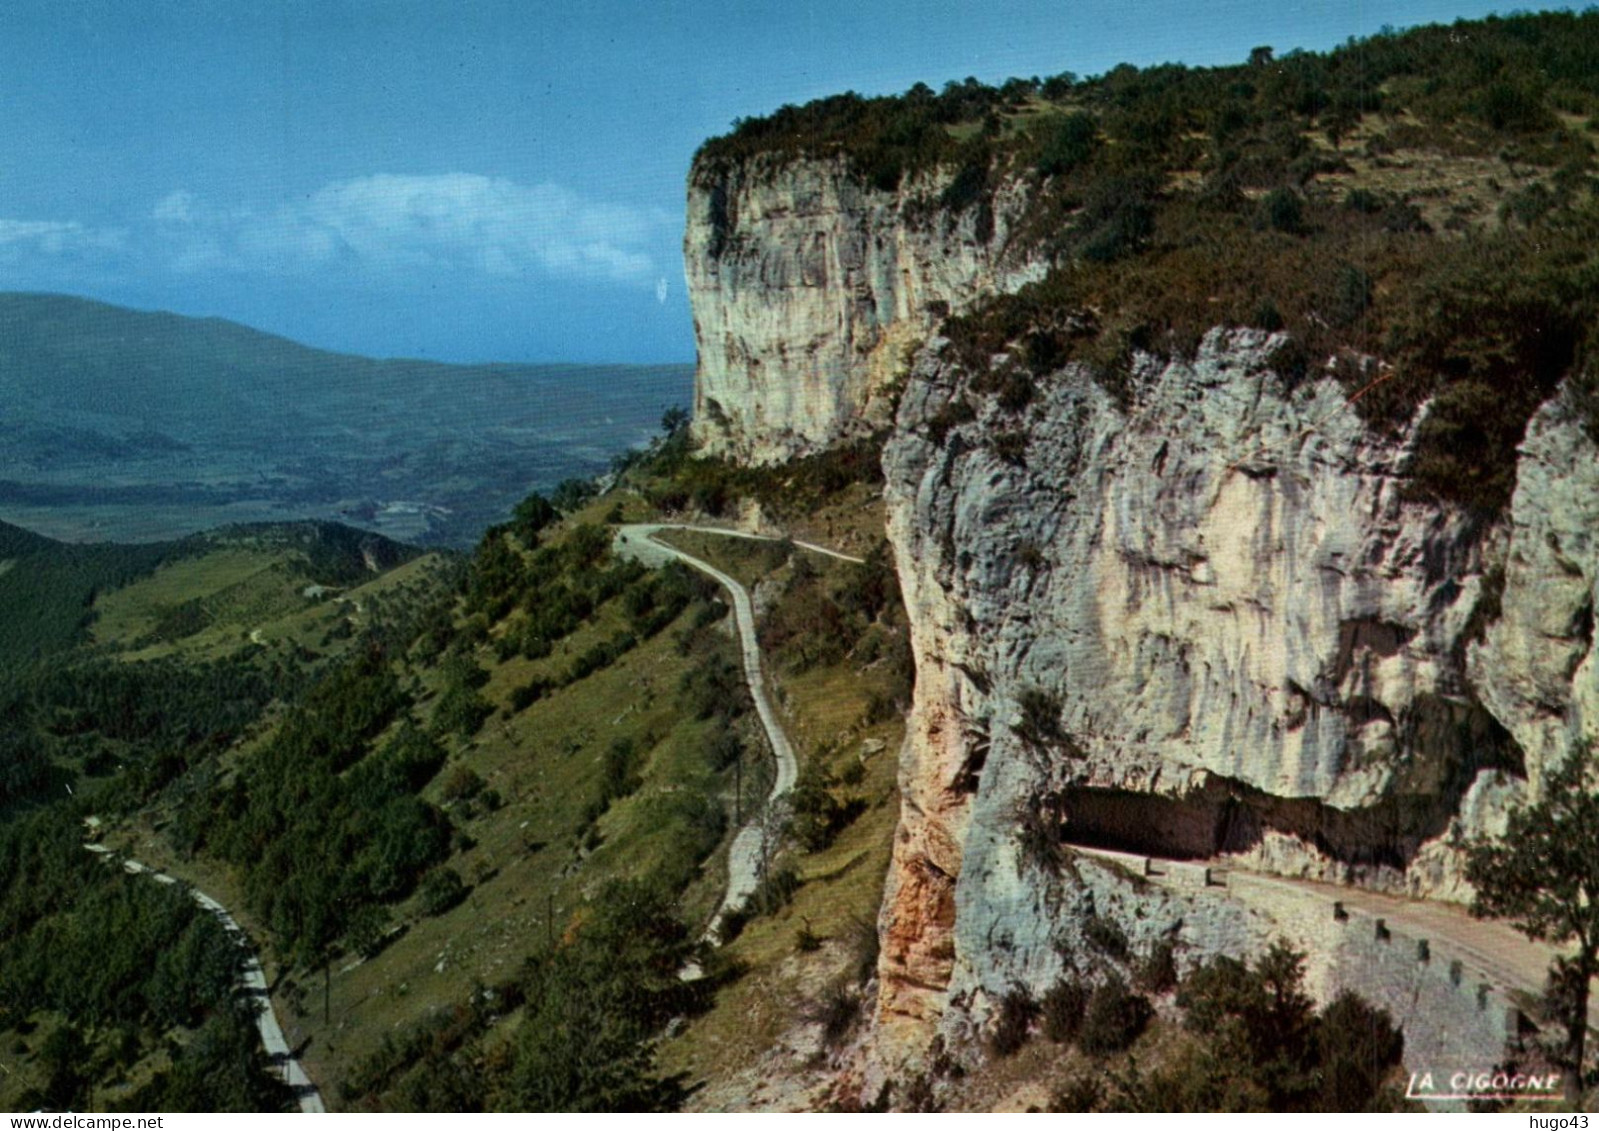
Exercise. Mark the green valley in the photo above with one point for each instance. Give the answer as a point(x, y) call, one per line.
point(132, 426)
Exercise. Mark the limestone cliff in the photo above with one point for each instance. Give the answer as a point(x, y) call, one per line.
point(1204, 615)
point(1209, 623)
point(809, 287)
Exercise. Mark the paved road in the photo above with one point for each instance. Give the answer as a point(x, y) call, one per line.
point(254, 981)
point(744, 858)
point(1501, 952)
point(726, 533)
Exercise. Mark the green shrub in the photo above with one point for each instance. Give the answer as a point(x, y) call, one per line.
point(1364, 201)
point(1118, 220)
point(1063, 1008)
point(1282, 210)
point(531, 516)
point(714, 688)
point(1066, 143)
point(1106, 936)
point(1351, 296)
point(732, 922)
point(570, 494)
point(601, 655)
point(957, 412)
point(1019, 389)
point(1113, 1019)
point(1040, 717)
point(1011, 447)
point(817, 816)
point(368, 932)
point(775, 891)
point(618, 776)
point(837, 1011)
point(724, 748)
point(1513, 107)
point(1038, 835)
point(1157, 973)
point(694, 825)
point(441, 889)
point(861, 943)
point(1080, 1093)
point(462, 784)
point(1013, 1022)
point(526, 694)
point(1216, 989)
point(1356, 1046)
point(880, 707)
point(1281, 1054)
point(460, 711)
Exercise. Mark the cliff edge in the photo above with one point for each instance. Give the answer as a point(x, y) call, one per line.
point(810, 287)
point(1240, 470)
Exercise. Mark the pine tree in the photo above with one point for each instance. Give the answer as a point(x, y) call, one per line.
point(1543, 876)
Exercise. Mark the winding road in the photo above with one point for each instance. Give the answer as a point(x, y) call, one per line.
point(1498, 950)
point(252, 978)
point(749, 847)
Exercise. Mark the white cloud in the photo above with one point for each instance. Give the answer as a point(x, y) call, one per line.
point(452, 223)
point(21, 239)
point(175, 207)
point(459, 226)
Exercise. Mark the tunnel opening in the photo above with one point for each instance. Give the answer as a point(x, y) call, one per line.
point(1228, 817)
point(1444, 744)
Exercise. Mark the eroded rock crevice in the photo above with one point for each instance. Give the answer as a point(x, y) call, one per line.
point(1305, 671)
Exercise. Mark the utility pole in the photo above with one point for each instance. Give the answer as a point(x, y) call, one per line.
point(738, 790)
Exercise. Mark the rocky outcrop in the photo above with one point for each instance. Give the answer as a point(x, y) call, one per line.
point(1210, 623)
point(1208, 619)
point(1536, 669)
point(809, 288)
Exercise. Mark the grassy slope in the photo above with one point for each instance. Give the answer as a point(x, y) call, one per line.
point(544, 764)
point(521, 859)
point(253, 578)
point(842, 885)
point(246, 596)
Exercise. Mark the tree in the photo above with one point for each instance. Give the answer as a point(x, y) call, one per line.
point(570, 494)
point(1543, 876)
point(532, 515)
point(1265, 1047)
point(674, 420)
point(593, 1006)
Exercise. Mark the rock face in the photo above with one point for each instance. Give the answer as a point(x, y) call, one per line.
point(1211, 622)
point(809, 288)
point(1208, 624)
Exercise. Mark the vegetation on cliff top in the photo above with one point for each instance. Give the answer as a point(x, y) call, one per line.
point(1415, 209)
point(1476, 88)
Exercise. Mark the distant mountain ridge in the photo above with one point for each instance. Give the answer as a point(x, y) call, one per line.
point(209, 421)
point(105, 359)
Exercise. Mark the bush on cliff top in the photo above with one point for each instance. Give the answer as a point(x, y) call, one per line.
point(1491, 83)
point(1173, 199)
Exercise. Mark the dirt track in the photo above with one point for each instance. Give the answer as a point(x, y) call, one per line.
point(253, 978)
point(745, 856)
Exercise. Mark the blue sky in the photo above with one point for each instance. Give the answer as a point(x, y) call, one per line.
point(480, 180)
